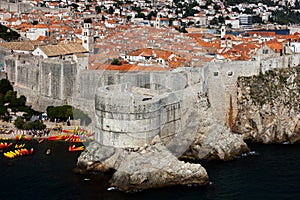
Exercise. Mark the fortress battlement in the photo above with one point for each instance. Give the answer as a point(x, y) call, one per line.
point(130, 108)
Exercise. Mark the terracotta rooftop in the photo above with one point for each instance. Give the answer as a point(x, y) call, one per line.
point(63, 49)
point(126, 67)
point(21, 46)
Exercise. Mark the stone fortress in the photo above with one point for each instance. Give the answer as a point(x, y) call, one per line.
point(131, 108)
point(132, 114)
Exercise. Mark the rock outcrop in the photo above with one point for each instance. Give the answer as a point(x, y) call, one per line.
point(141, 168)
point(219, 143)
point(155, 167)
point(208, 139)
point(269, 106)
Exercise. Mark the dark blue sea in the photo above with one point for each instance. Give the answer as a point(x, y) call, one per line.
point(273, 172)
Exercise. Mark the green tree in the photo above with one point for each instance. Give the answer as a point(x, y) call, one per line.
point(60, 112)
point(181, 29)
point(236, 9)
point(221, 20)
point(3, 110)
point(36, 125)
point(65, 112)
point(111, 10)
point(248, 11)
point(257, 19)
point(1, 100)
point(5, 86)
point(21, 101)
point(14, 103)
point(8, 34)
point(115, 61)
point(141, 15)
point(84, 118)
point(98, 9)
point(19, 122)
point(9, 96)
point(214, 21)
point(75, 6)
point(151, 14)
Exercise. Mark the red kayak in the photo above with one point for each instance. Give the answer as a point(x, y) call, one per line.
point(41, 140)
point(31, 151)
point(73, 148)
point(53, 138)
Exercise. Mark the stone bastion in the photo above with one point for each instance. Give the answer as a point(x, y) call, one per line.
point(129, 116)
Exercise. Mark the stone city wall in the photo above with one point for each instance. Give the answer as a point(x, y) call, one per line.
point(18, 7)
point(222, 87)
point(43, 82)
point(3, 53)
point(55, 82)
point(222, 78)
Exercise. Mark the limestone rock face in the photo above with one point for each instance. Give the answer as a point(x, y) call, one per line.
point(210, 140)
point(219, 143)
point(92, 159)
point(156, 167)
point(268, 106)
point(145, 167)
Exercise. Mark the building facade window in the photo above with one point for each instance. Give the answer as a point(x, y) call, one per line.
point(265, 51)
point(216, 73)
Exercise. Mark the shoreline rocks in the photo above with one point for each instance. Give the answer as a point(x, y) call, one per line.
point(218, 144)
point(148, 167)
point(156, 167)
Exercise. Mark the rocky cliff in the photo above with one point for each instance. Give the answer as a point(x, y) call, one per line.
point(210, 140)
point(157, 164)
point(268, 106)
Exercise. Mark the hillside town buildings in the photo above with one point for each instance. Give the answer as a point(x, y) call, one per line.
point(71, 52)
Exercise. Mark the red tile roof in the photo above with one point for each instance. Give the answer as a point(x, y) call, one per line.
point(126, 67)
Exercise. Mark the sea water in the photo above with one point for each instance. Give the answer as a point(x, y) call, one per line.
point(270, 172)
